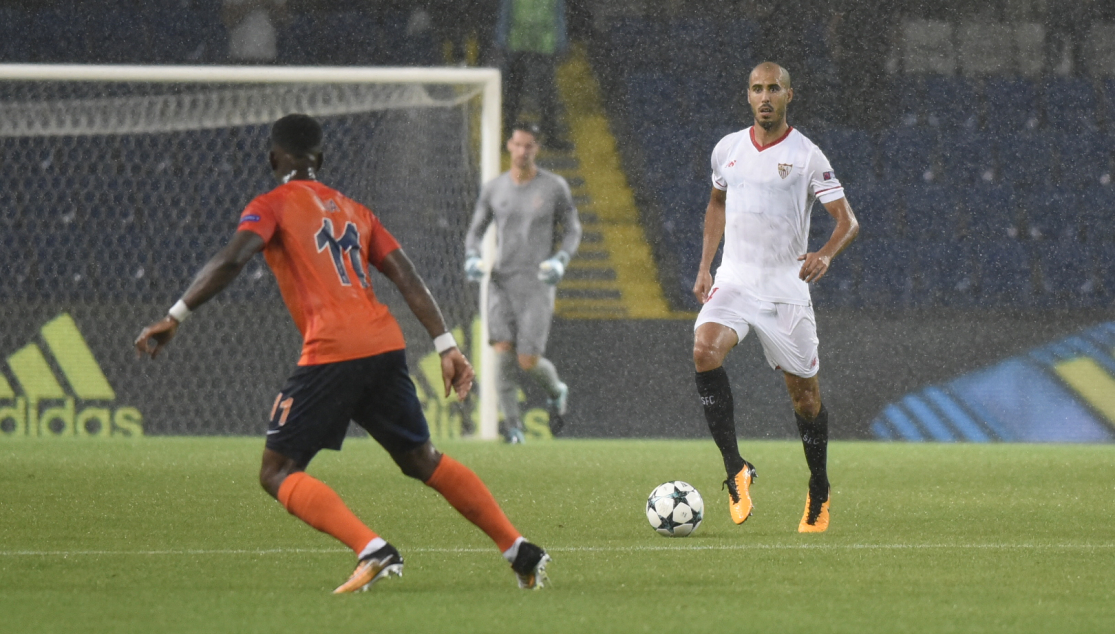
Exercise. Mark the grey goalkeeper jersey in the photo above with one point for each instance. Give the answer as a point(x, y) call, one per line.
point(526, 217)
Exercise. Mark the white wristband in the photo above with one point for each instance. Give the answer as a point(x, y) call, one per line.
point(444, 342)
point(179, 311)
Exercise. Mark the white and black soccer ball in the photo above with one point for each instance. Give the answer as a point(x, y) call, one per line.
point(675, 509)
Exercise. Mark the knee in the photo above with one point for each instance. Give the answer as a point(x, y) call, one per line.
point(706, 356)
point(502, 346)
point(528, 361)
point(271, 478)
point(418, 463)
point(807, 405)
point(275, 468)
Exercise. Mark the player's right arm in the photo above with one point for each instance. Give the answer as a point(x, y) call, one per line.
point(714, 232)
point(213, 278)
point(481, 217)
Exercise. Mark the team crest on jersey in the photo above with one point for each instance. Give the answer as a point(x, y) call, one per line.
point(784, 169)
point(331, 206)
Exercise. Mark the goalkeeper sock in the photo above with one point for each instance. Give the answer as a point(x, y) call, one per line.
point(815, 441)
point(716, 398)
point(313, 502)
point(508, 387)
point(545, 374)
point(465, 491)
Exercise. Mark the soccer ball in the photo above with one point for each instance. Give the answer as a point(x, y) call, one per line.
point(675, 509)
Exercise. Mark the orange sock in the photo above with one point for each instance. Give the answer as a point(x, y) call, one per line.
point(313, 502)
point(466, 492)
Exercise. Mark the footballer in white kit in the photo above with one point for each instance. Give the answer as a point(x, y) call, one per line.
point(765, 180)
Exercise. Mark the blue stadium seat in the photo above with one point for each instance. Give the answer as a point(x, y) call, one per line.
point(705, 105)
point(1068, 274)
point(851, 154)
point(1052, 214)
point(992, 212)
point(1004, 272)
point(694, 44)
point(967, 158)
point(951, 102)
point(1108, 94)
point(1026, 160)
point(15, 24)
point(296, 41)
point(651, 97)
point(636, 43)
point(907, 154)
point(878, 212)
point(909, 100)
point(1084, 159)
point(1105, 265)
point(931, 214)
point(344, 38)
point(1070, 105)
point(944, 274)
point(838, 287)
point(55, 36)
point(740, 37)
point(1012, 105)
point(121, 36)
point(190, 35)
point(1097, 213)
point(887, 278)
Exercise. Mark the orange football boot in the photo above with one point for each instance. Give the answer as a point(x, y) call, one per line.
point(816, 516)
point(382, 563)
point(739, 493)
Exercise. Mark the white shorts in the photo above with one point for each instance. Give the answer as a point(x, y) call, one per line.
point(788, 332)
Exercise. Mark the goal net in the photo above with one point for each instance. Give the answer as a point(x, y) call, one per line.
point(118, 183)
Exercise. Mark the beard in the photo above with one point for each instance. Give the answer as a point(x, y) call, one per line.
point(768, 125)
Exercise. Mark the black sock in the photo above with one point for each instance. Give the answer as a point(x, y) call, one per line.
point(815, 440)
point(716, 397)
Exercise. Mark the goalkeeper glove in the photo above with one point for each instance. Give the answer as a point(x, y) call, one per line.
point(551, 271)
point(472, 268)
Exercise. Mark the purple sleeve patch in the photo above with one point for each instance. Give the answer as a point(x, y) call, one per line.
point(249, 218)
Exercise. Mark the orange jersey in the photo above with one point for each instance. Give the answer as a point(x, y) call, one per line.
point(319, 243)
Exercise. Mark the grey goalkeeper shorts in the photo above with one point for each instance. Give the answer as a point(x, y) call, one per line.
point(520, 310)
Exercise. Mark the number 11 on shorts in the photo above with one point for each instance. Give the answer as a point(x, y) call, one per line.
point(284, 405)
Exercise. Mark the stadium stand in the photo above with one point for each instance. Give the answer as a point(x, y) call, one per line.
point(101, 31)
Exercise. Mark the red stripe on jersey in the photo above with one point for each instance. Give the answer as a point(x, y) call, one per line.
point(773, 143)
point(828, 190)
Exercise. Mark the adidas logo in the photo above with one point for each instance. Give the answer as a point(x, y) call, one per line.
point(44, 407)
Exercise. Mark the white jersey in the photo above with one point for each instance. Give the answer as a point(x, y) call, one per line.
point(770, 192)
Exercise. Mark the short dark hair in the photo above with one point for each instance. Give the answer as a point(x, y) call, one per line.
point(298, 134)
point(529, 127)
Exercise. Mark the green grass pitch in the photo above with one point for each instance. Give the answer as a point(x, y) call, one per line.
point(175, 535)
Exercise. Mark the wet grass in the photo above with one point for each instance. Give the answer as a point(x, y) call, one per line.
point(174, 535)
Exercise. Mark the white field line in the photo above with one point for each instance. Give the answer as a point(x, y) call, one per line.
point(561, 549)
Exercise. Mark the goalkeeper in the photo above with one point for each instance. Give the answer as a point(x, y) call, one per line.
point(526, 203)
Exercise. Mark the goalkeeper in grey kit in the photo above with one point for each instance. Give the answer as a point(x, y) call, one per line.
point(526, 203)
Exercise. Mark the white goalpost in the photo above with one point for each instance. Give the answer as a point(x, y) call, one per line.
point(103, 165)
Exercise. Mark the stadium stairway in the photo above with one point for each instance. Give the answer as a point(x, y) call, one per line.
point(614, 275)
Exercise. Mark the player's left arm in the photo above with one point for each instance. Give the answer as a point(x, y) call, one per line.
point(553, 268)
point(815, 265)
point(456, 371)
point(213, 278)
